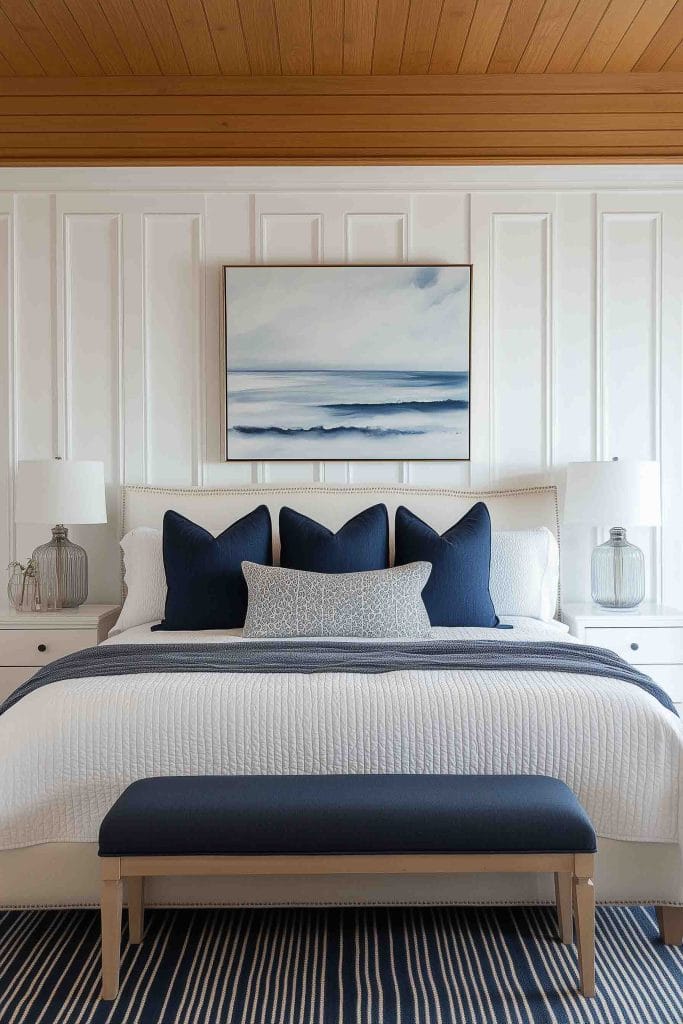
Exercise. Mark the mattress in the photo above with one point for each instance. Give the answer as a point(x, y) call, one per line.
point(71, 748)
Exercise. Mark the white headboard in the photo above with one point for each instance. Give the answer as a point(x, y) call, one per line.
point(214, 509)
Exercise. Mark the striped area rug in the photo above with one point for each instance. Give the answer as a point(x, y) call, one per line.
point(404, 966)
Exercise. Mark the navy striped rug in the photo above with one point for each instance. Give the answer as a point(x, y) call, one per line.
point(422, 966)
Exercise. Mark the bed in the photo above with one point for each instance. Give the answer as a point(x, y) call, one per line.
point(69, 749)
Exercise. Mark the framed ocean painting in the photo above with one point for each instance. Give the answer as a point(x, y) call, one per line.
point(347, 362)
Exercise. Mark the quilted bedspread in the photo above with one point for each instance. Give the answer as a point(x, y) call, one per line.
point(67, 750)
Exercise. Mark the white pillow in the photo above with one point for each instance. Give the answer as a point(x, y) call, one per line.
point(525, 570)
point(145, 579)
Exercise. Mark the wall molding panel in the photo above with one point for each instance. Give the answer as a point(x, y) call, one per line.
point(630, 302)
point(651, 224)
point(172, 296)
point(385, 234)
point(513, 253)
point(111, 325)
point(89, 339)
point(279, 234)
point(528, 281)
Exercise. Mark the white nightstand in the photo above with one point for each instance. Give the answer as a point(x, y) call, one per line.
point(29, 640)
point(650, 636)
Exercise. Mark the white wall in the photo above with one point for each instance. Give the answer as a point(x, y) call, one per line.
point(110, 322)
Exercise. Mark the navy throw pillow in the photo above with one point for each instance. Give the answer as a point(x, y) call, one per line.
point(361, 544)
point(206, 587)
point(457, 592)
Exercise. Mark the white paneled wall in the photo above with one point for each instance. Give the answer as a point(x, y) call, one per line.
point(110, 322)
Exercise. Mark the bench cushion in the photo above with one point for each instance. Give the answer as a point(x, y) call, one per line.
point(315, 814)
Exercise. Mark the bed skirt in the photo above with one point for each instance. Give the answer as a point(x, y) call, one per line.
point(67, 875)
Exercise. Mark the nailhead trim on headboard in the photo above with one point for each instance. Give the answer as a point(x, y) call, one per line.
point(369, 489)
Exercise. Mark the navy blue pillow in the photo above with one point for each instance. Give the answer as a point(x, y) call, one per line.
point(206, 587)
point(361, 544)
point(457, 593)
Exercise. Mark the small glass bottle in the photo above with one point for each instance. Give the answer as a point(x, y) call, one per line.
point(15, 585)
point(23, 588)
point(30, 602)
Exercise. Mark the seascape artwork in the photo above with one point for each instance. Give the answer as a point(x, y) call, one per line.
point(347, 362)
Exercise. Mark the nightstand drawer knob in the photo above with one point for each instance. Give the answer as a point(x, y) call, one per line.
point(42, 647)
point(635, 646)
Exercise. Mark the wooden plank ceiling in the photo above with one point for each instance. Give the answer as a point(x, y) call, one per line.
point(243, 81)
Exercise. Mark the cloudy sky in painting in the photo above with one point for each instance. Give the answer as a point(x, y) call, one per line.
point(401, 318)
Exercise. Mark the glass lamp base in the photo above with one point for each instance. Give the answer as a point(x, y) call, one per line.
point(62, 569)
point(617, 572)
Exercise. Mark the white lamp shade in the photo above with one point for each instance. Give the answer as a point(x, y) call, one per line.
point(613, 493)
point(60, 491)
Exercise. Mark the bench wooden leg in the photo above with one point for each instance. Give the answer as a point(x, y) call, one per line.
point(670, 921)
point(111, 902)
point(563, 902)
point(136, 908)
point(584, 915)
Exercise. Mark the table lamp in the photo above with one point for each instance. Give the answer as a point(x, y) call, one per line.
point(60, 491)
point(604, 493)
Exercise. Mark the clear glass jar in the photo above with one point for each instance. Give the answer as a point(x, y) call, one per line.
point(62, 568)
point(617, 572)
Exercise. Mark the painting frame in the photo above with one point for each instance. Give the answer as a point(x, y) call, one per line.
point(224, 364)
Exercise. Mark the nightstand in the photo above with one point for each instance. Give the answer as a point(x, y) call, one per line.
point(29, 640)
point(650, 636)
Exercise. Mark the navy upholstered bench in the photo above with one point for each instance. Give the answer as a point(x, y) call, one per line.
point(343, 824)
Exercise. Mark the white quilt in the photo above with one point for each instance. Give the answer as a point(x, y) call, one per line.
point(69, 749)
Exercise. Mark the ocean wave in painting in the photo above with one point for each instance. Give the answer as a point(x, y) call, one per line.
point(393, 408)
point(322, 431)
point(347, 414)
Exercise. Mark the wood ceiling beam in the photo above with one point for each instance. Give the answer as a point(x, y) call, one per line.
point(323, 106)
point(372, 119)
point(344, 142)
point(344, 85)
point(315, 125)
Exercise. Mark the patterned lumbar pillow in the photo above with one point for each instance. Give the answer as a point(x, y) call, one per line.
point(378, 603)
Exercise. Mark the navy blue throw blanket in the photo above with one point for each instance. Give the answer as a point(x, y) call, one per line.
point(335, 656)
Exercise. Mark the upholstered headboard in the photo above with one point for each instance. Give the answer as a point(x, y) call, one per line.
point(214, 509)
